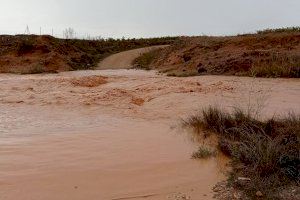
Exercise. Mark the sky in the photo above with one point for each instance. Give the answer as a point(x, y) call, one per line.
point(146, 18)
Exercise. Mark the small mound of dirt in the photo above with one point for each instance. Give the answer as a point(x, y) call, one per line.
point(89, 81)
point(138, 101)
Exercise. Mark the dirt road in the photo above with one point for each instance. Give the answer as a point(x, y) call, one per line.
point(124, 60)
point(113, 134)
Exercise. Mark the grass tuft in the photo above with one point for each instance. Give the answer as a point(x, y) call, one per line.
point(268, 152)
point(203, 152)
point(145, 60)
point(277, 66)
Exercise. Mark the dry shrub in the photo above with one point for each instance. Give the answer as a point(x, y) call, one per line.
point(280, 30)
point(89, 81)
point(145, 60)
point(203, 152)
point(268, 152)
point(278, 65)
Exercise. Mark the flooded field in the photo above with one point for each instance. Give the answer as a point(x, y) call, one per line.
point(116, 136)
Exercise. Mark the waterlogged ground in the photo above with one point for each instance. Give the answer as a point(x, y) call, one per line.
point(114, 134)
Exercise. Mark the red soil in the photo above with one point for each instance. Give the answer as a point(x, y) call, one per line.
point(233, 55)
point(36, 54)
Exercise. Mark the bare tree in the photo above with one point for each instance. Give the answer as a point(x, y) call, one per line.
point(27, 32)
point(69, 33)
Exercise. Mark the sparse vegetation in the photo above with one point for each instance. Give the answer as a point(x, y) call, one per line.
point(269, 53)
point(274, 71)
point(25, 46)
point(56, 54)
point(278, 66)
point(203, 152)
point(182, 74)
point(35, 69)
point(267, 152)
point(144, 61)
point(280, 30)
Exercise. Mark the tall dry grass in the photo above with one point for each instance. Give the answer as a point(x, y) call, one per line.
point(278, 65)
point(266, 151)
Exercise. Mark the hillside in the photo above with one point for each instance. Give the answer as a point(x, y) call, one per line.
point(36, 54)
point(270, 53)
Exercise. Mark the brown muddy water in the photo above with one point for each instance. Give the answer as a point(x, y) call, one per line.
point(117, 137)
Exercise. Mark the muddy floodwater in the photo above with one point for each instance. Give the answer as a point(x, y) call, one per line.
point(113, 134)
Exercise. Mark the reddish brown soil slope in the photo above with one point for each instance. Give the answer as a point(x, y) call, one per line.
point(36, 54)
point(265, 54)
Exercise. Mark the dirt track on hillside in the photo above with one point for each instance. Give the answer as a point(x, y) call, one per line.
point(111, 134)
point(124, 59)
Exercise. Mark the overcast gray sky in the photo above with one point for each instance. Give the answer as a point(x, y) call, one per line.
point(147, 18)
